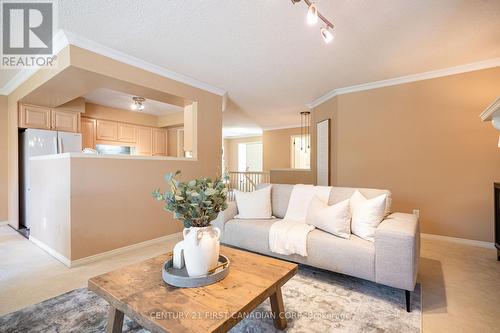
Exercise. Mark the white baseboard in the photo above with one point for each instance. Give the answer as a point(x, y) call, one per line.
point(50, 251)
point(464, 241)
point(4, 222)
point(107, 254)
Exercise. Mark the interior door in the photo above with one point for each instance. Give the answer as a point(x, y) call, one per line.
point(254, 156)
point(323, 153)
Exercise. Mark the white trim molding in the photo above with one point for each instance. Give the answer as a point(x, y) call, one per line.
point(491, 63)
point(4, 222)
point(464, 241)
point(111, 253)
point(51, 251)
point(490, 111)
point(83, 261)
point(64, 38)
point(279, 127)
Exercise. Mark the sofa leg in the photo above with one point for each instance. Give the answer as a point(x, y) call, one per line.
point(408, 299)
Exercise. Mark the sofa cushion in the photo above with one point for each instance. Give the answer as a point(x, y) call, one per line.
point(280, 196)
point(252, 235)
point(367, 214)
point(339, 194)
point(255, 204)
point(354, 256)
point(334, 219)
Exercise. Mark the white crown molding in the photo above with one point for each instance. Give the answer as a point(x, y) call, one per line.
point(95, 47)
point(488, 113)
point(243, 136)
point(279, 128)
point(59, 42)
point(495, 62)
point(64, 38)
point(464, 241)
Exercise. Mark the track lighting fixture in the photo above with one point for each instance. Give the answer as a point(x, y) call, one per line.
point(312, 18)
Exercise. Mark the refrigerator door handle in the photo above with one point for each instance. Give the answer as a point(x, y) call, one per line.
point(56, 145)
point(60, 146)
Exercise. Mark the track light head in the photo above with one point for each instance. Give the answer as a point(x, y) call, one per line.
point(312, 14)
point(326, 33)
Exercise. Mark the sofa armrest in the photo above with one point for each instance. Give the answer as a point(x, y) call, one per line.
point(397, 251)
point(225, 216)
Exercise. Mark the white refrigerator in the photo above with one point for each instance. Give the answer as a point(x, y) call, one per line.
point(34, 142)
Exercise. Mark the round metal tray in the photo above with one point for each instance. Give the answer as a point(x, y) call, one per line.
point(180, 278)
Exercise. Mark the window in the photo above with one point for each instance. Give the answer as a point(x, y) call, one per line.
point(250, 156)
point(300, 153)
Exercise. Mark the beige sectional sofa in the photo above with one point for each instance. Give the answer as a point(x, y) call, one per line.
point(391, 260)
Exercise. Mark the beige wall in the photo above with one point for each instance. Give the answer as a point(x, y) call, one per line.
point(276, 146)
point(174, 119)
point(424, 141)
point(231, 150)
point(3, 158)
point(107, 113)
point(172, 141)
point(291, 177)
point(123, 210)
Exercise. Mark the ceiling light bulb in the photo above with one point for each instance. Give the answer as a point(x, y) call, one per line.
point(133, 106)
point(326, 34)
point(312, 14)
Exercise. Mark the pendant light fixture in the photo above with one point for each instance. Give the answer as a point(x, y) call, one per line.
point(137, 103)
point(305, 131)
point(312, 18)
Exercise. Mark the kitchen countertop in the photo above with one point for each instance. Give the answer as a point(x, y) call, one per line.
point(125, 157)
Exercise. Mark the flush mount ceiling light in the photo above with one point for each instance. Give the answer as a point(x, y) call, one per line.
point(312, 18)
point(137, 103)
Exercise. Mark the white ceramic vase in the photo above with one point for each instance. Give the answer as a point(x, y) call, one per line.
point(199, 249)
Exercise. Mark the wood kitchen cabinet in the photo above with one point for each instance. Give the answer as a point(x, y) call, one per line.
point(144, 143)
point(88, 133)
point(159, 142)
point(31, 116)
point(106, 130)
point(34, 117)
point(127, 133)
point(66, 121)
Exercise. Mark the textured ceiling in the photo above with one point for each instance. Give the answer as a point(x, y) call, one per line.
point(271, 62)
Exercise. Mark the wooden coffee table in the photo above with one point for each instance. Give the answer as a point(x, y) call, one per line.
point(139, 292)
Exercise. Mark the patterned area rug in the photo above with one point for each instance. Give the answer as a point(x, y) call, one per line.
point(315, 301)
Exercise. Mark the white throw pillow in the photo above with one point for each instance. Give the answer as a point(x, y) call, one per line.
point(335, 219)
point(254, 205)
point(367, 214)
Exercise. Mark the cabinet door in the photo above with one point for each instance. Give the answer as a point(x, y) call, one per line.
point(106, 130)
point(144, 145)
point(34, 117)
point(159, 142)
point(88, 133)
point(127, 133)
point(65, 121)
